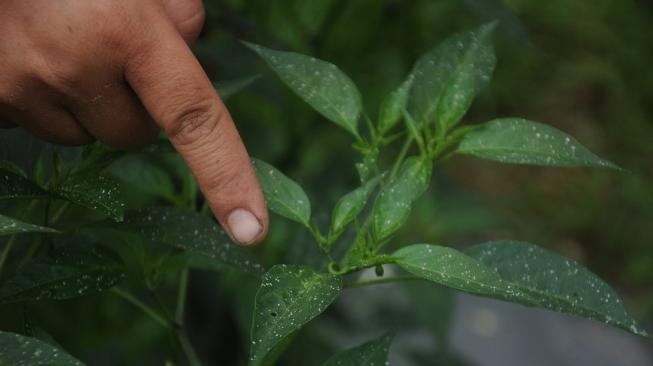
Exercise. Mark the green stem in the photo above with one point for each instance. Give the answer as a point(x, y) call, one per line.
point(181, 297)
point(400, 158)
point(139, 304)
point(177, 331)
point(382, 281)
point(60, 211)
point(6, 251)
point(187, 347)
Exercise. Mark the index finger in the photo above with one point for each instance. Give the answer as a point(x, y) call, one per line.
point(180, 98)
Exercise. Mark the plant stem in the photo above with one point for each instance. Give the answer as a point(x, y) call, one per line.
point(381, 281)
point(60, 211)
point(181, 297)
point(177, 331)
point(400, 158)
point(139, 304)
point(6, 251)
point(187, 347)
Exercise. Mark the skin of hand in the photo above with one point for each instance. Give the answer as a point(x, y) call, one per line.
point(117, 71)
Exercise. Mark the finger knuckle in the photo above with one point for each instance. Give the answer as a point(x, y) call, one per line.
point(192, 123)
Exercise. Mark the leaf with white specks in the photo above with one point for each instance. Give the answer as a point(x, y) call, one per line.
point(519, 141)
point(190, 231)
point(9, 226)
point(350, 205)
point(289, 297)
point(393, 204)
point(93, 191)
point(320, 84)
point(18, 350)
point(393, 106)
point(553, 282)
point(282, 195)
point(451, 268)
point(448, 78)
point(371, 353)
point(13, 183)
point(69, 272)
point(522, 273)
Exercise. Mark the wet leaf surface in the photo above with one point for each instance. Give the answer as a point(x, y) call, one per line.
point(289, 297)
point(519, 141)
point(18, 350)
point(320, 84)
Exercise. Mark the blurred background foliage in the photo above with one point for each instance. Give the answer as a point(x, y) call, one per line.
point(582, 66)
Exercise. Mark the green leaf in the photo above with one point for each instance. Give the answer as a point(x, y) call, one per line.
point(522, 273)
point(144, 176)
point(320, 84)
point(228, 88)
point(350, 205)
point(190, 231)
point(93, 191)
point(70, 272)
point(372, 353)
point(393, 106)
point(448, 77)
point(13, 183)
point(282, 195)
point(451, 268)
point(393, 204)
point(519, 141)
point(9, 226)
point(544, 279)
point(289, 297)
point(18, 350)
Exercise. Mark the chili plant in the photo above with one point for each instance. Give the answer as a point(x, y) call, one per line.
point(128, 252)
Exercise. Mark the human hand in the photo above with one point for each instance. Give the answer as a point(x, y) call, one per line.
point(116, 71)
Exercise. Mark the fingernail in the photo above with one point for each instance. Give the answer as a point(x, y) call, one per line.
point(244, 226)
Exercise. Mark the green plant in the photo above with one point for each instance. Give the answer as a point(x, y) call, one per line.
point(81, 240)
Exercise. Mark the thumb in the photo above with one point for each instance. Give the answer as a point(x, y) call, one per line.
point(180, 98)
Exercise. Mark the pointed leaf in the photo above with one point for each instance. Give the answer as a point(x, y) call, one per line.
point(13, 184)
point(393, 106)
point(289, 297)
point(448, 77)
point(553, 282)
point(393, 204)
point(350, 205)
point(9, 226)
point(18, 350)
point(519, 141)
point(320, 84)
point(70, 272)
point(521, 273)
point(451, 268)
point(190, 231)
point(372, 353)
point(95, 192)
point(283, 195)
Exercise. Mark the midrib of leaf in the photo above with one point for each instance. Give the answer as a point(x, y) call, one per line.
point(294, 305)
point(542, 154)
point(291, 209)
point(481, 284)
point(98, 202)
point(434, 106)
